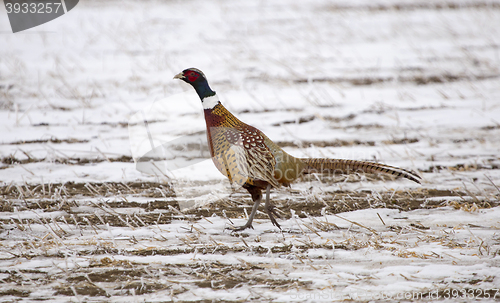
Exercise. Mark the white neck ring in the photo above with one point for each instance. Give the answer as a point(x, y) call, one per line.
point(210, 102)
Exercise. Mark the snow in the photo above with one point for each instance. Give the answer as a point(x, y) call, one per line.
point(410, 84)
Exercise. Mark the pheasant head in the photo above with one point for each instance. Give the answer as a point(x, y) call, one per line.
point(197, 79)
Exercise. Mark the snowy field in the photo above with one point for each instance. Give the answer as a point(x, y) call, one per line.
point(415, 84)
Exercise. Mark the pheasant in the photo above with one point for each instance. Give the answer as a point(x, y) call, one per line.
point(247, 157)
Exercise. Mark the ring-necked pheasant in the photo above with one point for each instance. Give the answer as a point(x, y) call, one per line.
point(247, 157)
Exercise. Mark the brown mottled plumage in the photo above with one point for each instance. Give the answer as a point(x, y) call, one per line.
point(247, 157)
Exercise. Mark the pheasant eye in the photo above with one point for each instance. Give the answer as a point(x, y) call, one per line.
point(192, 76)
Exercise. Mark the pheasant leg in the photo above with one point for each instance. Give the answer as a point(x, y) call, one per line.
point(257, 198)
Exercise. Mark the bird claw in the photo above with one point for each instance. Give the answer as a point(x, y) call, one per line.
point(239, 228)
point(271, 212)
point(275, 223)
point(271, 209)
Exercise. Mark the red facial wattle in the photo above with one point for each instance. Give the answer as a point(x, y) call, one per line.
point(192, 76)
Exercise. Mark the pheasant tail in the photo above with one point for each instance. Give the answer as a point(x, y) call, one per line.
point(341, 166)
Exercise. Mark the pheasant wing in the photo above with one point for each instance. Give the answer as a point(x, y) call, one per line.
point(246, 159)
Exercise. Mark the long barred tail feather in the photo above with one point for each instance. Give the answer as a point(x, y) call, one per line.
point(341, 166)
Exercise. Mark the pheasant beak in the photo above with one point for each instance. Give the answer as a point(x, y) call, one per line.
point(180, 76)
